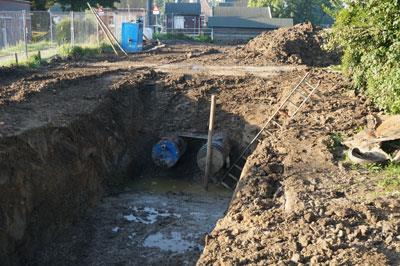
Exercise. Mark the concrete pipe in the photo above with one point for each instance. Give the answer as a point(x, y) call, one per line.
point(167, 152)
point(220, 154)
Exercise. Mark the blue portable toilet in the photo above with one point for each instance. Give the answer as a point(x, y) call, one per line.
point(132, 36)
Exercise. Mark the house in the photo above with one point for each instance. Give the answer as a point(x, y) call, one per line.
point(183, 17)
point(239, 24)
point(14, 5)
point(12, 23)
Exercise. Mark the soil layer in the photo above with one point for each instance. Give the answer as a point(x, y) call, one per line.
point(73, 132)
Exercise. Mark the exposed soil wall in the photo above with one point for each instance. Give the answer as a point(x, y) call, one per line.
point(67, 138)
point(53, 173)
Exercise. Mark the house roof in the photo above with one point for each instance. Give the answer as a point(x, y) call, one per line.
point(247, 12)
point(183, 8)
point(17, 1)
point(255, 23)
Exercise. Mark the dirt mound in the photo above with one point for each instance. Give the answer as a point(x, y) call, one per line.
point(300, 44)
point(294, 206)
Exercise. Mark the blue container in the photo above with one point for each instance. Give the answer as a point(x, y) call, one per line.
point(132, 37)
point(167, 152)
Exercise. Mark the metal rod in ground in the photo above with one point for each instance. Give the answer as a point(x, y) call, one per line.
point(101, 26)
point(107, 29)
point(72, 29)
point(16, 59)
point(209, 142)
point(25, 32)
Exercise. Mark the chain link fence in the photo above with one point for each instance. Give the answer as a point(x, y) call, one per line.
point(23, 34)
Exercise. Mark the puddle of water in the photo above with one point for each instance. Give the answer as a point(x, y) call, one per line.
point(174, 243)
point(156, 221)
point(149, 214)
point(163, 185)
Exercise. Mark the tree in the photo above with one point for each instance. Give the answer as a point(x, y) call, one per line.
point(368, 33)
point(299, 10)
point(41, 4)
point(71, 5)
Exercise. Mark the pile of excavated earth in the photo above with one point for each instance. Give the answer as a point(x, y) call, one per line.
point(296, 203)
point(73, 134)
point(301, 44)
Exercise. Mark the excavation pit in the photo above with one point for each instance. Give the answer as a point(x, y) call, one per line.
point(77, 171)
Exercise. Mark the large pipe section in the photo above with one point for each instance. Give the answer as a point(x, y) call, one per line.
point(220, 154)
point(167, 152)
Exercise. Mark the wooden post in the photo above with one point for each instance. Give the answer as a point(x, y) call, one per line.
point(102, 28)
point(39, 56)
point(16, 59)
point(209, 142)
point(107, 31)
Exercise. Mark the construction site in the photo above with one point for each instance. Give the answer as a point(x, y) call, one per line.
point(188, 153)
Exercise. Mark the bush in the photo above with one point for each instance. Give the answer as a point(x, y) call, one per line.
point(33, 61)
point(77, 52)
point(82, 29)
point(368, 34)
point(181, 36)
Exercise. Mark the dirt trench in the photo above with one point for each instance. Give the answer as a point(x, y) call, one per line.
point(74, 140)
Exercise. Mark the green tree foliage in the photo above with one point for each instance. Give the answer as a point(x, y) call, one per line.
point(368, 32)
point(299, 10)
point(80, 5)
point(74, 5)
point(87, 25)
point(42, 4)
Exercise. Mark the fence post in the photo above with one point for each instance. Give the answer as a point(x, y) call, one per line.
point(97, 33)
point(25, 32)
point(72, 29)
point(5, 36)
point(51, 29)
point(115, 23)
point(16, 59)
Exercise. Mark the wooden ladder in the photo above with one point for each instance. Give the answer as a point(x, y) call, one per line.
point(296, 99)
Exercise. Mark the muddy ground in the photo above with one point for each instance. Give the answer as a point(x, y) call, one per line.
point(74, 134)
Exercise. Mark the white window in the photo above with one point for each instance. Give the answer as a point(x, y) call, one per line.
point(179, 22)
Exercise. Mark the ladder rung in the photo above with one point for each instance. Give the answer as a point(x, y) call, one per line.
point(309, 85)
point(316, 92)
point(286, 114)
point(276, 123)
point(243, 158)
point(292, 103)
point(301, 93)
point(226, 185)
point(238, 167)
point(233, 177)
point(266, 131)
